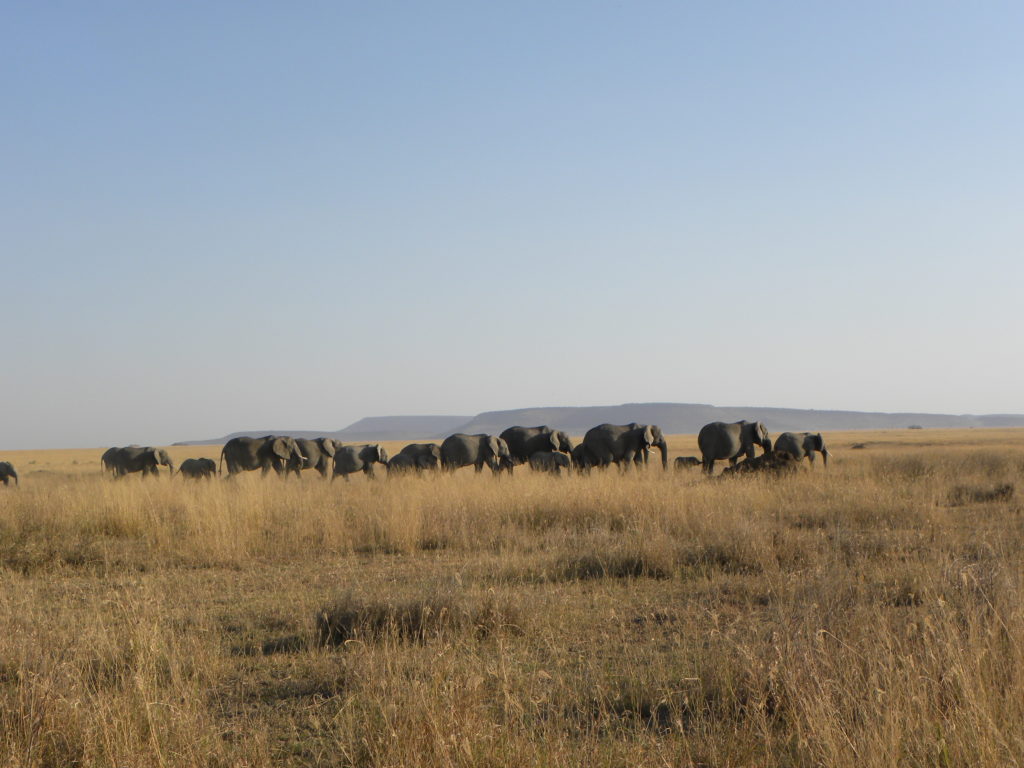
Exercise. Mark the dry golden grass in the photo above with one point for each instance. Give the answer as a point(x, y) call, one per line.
point(867, 615)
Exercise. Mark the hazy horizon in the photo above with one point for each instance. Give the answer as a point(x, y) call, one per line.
point(228, 217)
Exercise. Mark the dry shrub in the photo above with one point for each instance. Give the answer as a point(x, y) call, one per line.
point(415, 620)
point(978, 494)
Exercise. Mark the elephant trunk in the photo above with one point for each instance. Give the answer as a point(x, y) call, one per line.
point(663, 447)
point(824, 456)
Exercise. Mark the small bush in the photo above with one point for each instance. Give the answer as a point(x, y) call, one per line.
point(976, 494)
point(412, 620)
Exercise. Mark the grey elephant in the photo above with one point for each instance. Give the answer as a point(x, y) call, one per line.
point(623, 444)
point(358, 458)
point(719, 440)
point(461, 450)
point(137, 458)
point(197, 469)
point(800, 444)
point(317, 454)
point(686, 462)
point(550, 461)
point(8, 473)
point(270, 452)
point(523, 442)
point(424, 455)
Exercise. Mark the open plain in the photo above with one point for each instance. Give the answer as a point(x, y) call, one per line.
point(870, 614)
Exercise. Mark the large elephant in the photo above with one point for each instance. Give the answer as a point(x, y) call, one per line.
point(461, 450)
point(197, 469)
point(624, 444)
point(719, 440)
point(523, 442)
point(358, 458)
point(270, 452)
point(7, 473)
point(800, 444)
point(317, 454)
point(423, 455)
point(137, 458)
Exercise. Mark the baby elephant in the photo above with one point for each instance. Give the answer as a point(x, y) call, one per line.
point(549, 461)
point(358, 458)
point(685, 462)
point(401, 464)
point(7, 471)
point(198, 468)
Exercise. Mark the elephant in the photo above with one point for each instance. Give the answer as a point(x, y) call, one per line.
point(244, 454)
point(196, 469)
point(719, 440)
point(424, 455)
point(581, 458)
point(461, 450)
point(685, 462)
point(317, 454)
point(136, 458)
point(622, 443)
point(550, 461)
point(800, 444)
point(402, 463)
point(523, 442)
point(358, 458)
point(7, 472)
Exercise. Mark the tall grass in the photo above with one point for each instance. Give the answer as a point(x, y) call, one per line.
point(870, 614)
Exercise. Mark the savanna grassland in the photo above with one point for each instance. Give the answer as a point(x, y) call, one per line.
point(867, 615)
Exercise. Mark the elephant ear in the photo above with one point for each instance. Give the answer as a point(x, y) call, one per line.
point(553, 439)
point(327, 446)
point(648, 436)
point(280, 447)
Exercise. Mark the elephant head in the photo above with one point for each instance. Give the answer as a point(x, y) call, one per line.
point(653, 437)
point(817, 443)
point(755, 433)
point(562, 442)
point(161, 457)
point(496, 455)
point(286, 448)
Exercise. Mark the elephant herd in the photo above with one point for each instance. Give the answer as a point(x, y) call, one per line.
point(544, 449)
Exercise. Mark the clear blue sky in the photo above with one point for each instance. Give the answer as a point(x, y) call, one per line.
point(226, 216)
